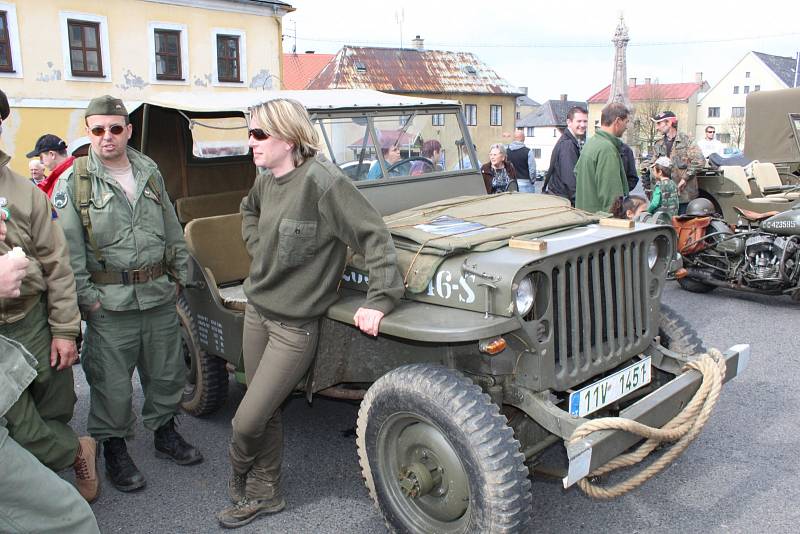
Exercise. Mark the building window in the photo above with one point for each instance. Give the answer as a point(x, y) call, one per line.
point(471, 114)
point(756, 88)
point(537, 153)
point(737, 112)
point(518, 115)
point(747, 74)
point(168, 54)
point(6, 61)
point(84, 48)
point(713, 112)
point(736, 89)
point(228, 58)
point(529, 131)
point(495, 115)
point(724, 138)
point(746, 89)
point(437, 119)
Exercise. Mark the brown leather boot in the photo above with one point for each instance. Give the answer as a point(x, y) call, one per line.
point(86, 469)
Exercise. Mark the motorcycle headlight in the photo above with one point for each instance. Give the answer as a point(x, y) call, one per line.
point(523, 296)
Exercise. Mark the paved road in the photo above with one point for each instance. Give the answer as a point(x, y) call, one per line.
point(739, 476)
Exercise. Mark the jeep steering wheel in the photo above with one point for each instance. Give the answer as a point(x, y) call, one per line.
point(403, 161)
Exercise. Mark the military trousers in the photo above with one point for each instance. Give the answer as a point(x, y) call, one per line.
point(114, 344)
point(39, 420)
point(34, 499)
point(276, 357)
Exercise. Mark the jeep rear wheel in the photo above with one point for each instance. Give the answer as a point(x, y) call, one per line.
point(206, 386)
point(437, 455)
point(677, 334)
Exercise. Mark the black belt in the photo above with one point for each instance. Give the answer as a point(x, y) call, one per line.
point(132, 276)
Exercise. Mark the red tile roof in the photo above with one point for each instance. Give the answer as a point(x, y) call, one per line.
point(299, 69)
point(652, 91)
point(410, 70)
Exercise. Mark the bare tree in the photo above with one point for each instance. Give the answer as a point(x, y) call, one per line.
point(642, 133)
point(736, 129)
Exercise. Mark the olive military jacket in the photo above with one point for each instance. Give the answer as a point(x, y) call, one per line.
point(17, 371)
point(31, 227)
point(687, 159)
point(128, 235)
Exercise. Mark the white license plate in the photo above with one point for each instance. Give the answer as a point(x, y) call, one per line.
point(610, 389)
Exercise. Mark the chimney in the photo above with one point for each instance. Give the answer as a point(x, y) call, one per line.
point(417, 42)
point(563, 98)
point(632, 82)
point(647, 81)
point(698, 77)
point(523, 89)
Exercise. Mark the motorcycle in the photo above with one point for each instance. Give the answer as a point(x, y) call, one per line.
point(760, 254)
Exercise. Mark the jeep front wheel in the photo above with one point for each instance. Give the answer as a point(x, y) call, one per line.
point(437, 455)
point(206, 387)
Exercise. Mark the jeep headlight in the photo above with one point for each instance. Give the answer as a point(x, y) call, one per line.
point(652, 255)
point(523, 296)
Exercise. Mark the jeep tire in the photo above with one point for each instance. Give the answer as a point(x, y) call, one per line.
point(677, 334)
point(206, 386)
point(437, 455)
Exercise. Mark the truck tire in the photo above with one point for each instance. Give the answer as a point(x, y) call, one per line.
point(677, 334)
point(437, 455)
point(206, 388)
point(695, 286)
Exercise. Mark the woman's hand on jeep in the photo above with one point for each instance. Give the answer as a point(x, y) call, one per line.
point(368, 320)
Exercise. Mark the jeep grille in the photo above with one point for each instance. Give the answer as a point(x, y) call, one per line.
point(599, 312)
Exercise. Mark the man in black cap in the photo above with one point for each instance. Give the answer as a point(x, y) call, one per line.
point(686, 156)
point(52, 151)
point(128, 254)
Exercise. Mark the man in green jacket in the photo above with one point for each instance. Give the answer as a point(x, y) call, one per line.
point(128, 254)
point(599, 172)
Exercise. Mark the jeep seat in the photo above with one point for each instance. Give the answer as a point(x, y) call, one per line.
point(216, 243)
point(767, 176)
point(196, 207)
point(737, 175)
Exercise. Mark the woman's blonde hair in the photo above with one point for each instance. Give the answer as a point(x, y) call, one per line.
point(288, 120)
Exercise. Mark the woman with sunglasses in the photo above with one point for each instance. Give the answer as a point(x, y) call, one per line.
point(297, 222)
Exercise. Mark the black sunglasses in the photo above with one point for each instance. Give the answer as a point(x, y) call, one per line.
point(258, 134)
point(710, 131)
point(99, 131)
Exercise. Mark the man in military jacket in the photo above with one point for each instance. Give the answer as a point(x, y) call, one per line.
point(128, 254)
point(686, 156)
point(43, 317)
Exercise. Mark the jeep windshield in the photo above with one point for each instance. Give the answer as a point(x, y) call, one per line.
point(395, 144)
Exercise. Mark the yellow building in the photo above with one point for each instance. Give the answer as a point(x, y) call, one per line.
point(489, 101)
point(56, 55)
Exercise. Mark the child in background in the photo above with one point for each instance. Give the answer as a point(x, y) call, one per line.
point(628, 207)
point(665, 192)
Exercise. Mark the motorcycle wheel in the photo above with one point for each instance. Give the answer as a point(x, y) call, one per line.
point(695, 286)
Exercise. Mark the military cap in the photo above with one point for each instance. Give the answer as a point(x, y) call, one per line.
point(106, 105)
point(46, 143)
point(5, 110)
point(664, 115)
point(664, 161)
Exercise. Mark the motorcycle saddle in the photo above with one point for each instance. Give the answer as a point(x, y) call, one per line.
point(754, 215)
point(691, 232)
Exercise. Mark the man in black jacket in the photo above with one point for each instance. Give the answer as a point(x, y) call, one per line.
point(560, 179)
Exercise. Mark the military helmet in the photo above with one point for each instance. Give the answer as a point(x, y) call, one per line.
point(700, 207)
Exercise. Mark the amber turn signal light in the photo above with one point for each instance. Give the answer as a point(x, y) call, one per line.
point(494, 346)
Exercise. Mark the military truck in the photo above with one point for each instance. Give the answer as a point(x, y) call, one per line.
point(771, 179)
point(523, 318)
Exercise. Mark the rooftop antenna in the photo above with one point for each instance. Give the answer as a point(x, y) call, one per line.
point(294, 46)
point(399, 17)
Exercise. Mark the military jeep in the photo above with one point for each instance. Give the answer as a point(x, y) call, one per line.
point(523, 318)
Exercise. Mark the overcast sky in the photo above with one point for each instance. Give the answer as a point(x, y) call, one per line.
point(561, 46)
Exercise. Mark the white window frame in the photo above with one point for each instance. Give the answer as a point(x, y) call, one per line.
point(151, 32)
point(437, 119)
point(472, 107)
point(13, 41)
point(243, 75)
point(105, 51)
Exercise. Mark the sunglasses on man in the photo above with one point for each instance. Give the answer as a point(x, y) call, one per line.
point(100, 131)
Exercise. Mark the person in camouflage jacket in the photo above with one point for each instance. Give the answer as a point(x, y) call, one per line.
point(686, 156)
